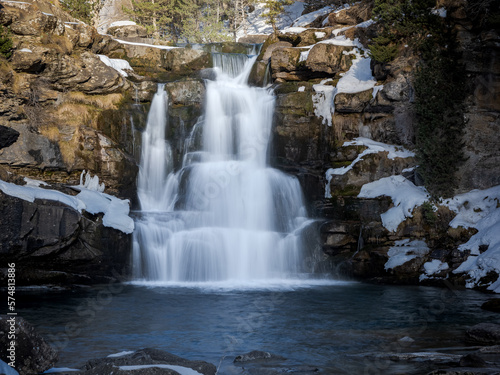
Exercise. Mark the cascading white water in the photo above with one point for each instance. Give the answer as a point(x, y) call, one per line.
point(225, 215)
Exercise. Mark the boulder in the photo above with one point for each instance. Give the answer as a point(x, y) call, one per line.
point(352, 103)
point(28, 62)
point(186, 92)
point(87, 73)
point(32, 353)
point(128, 31)
point(329, 58)
point(184, 60)
point(155, 362)
point(285, 59)
point(484, 334)
point(267, 53)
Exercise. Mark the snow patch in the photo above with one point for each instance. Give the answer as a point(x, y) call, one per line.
point(405, 250)
point(441, 12)
point(433, 267)
point(6, 369)
point(320, 34)
point(123, 23)
point(144, 44)
point(54, 370)
point(34, 183)
point(404, 194)
point(180, 369)
point(301, 89)
point(117, 64)
point(25, 50)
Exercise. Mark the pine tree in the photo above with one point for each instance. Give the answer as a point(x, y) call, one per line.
point(154, 15)
point(5, 43)
point(275, 8)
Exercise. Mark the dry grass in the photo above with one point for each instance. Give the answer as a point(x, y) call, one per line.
point(99, 101)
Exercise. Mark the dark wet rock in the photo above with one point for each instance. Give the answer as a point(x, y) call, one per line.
point(256, 355)
point(492, 305)
point(32, 353)
point(145, 357)
point(484, 333)
point(472, 360)
point(54, 244)
point(8, 136)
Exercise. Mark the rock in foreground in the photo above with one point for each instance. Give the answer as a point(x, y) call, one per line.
point(32, 353)
point(147, 362)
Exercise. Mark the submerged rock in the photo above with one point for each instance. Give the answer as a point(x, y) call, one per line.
point(484, 333)
point(256, 355)
point(492, 305)
point(32, 353)
point(146, 362)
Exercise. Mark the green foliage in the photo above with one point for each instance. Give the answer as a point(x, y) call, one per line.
point(403, 22)
point(5, 43)
point(383, 50)
point(440, 93)
point(83, 10)
point(275, 8)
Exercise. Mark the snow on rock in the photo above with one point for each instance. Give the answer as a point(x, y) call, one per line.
point(180, 369)
point(255, 23)
point(306, 19)
point(123, 23)
point(433, 267)
point(479, 209)
point(117, 64)
point(115, 210)
point(357, 79)
point(144, 44)
point(323, 100)
point(30, 193)
point(55, 370)
point(404, 194)
point(34, 183)
point(405, 250)
point(373, 147)
point(320, 34)
point(120, 354)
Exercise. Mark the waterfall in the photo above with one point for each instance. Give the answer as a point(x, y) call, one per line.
point(225, 215)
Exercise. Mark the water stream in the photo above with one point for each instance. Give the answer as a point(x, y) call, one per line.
point(225, 215)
